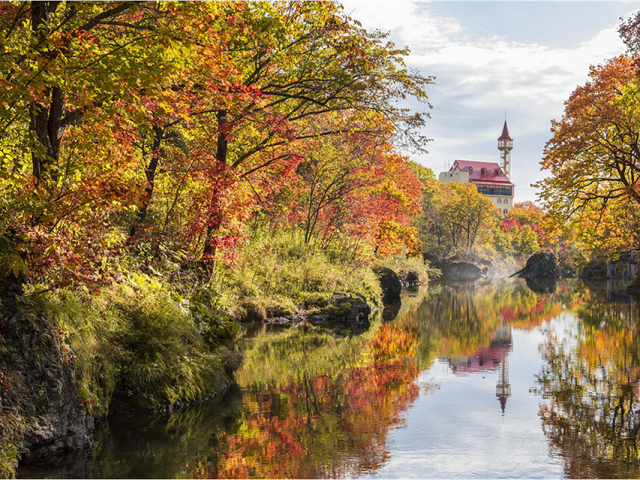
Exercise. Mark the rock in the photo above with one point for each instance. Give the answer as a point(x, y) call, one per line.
point(342, 309)
point(351, 310)
point(390, 283)
point(43, 388)
point(460, 270)
point(595, 270)
point(409, 279)
point(541, 265)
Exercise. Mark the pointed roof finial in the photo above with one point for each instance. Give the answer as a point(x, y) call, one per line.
point(505, 133)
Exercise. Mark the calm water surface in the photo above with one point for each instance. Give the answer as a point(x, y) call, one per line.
point(489, 380)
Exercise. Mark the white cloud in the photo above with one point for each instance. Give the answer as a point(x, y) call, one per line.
point(478, 77)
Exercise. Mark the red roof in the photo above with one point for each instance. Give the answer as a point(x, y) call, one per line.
point(485, 173)
point(505, 133)
point(485, 359)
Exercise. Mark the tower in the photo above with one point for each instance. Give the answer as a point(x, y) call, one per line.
point(505, 145)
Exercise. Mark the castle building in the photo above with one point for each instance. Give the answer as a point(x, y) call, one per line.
point(491, 179)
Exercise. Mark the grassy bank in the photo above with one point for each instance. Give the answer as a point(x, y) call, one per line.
point(141, 338)
point(278, 277)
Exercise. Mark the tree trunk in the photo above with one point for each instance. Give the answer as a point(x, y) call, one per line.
point(215, 218)
point(45, 123)
point(634, 286)
point(150, 172)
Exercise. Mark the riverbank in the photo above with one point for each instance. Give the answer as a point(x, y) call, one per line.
point(157, 339)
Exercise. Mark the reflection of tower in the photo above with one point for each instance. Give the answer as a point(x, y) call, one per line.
point(503, 387)
point(505, 145)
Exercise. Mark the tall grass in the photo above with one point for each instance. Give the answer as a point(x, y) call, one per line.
point(276, 276)
point(12, 427)
point(140, 338)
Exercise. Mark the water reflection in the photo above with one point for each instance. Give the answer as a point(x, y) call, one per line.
point(448, 359)
point(592, 383)
point(542, 285)
point(316, 405)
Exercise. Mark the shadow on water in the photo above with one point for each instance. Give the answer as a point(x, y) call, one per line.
point(147, 446)
point(316, 403)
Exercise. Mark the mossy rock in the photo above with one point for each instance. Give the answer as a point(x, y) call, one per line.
point(350, 310)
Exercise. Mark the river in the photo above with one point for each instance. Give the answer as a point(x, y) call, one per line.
point(487, 380)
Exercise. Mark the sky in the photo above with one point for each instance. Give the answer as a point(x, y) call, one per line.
point(488, 57)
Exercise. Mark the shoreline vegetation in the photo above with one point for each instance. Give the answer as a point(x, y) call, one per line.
point(170, 171)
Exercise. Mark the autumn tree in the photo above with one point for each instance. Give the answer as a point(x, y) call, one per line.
point(434, 194)
point(594, 155)
point(308, 59)
point(77, 77)
point(466, 215)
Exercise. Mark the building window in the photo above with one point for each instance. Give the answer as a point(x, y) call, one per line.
point(499, 200)
point(494, 190)
point(505, 211)
point(506, 201)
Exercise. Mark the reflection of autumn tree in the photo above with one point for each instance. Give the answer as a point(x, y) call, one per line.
point(591, 382)
point(459, 321)
point(325, 424)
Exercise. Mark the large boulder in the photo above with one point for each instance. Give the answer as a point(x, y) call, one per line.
point(390, 283)
point(541, 265)
point(351, 310)
point(460, 271)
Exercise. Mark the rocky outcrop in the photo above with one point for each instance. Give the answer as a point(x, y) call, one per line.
point(409, 279)
point(595, 270)
point(342, 310)
point(540, 265)
point(39, 382)
point(460, 271)
point(390, 283)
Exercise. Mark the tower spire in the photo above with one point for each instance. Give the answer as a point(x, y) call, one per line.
point(505, 145)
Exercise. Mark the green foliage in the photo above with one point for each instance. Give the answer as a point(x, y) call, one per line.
point(210, 312)
point(141, 338)
point(12, 427)
point(527, 242)
point(164, 357)
point(502, 243)
point(85, 327)
point(277, 275)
